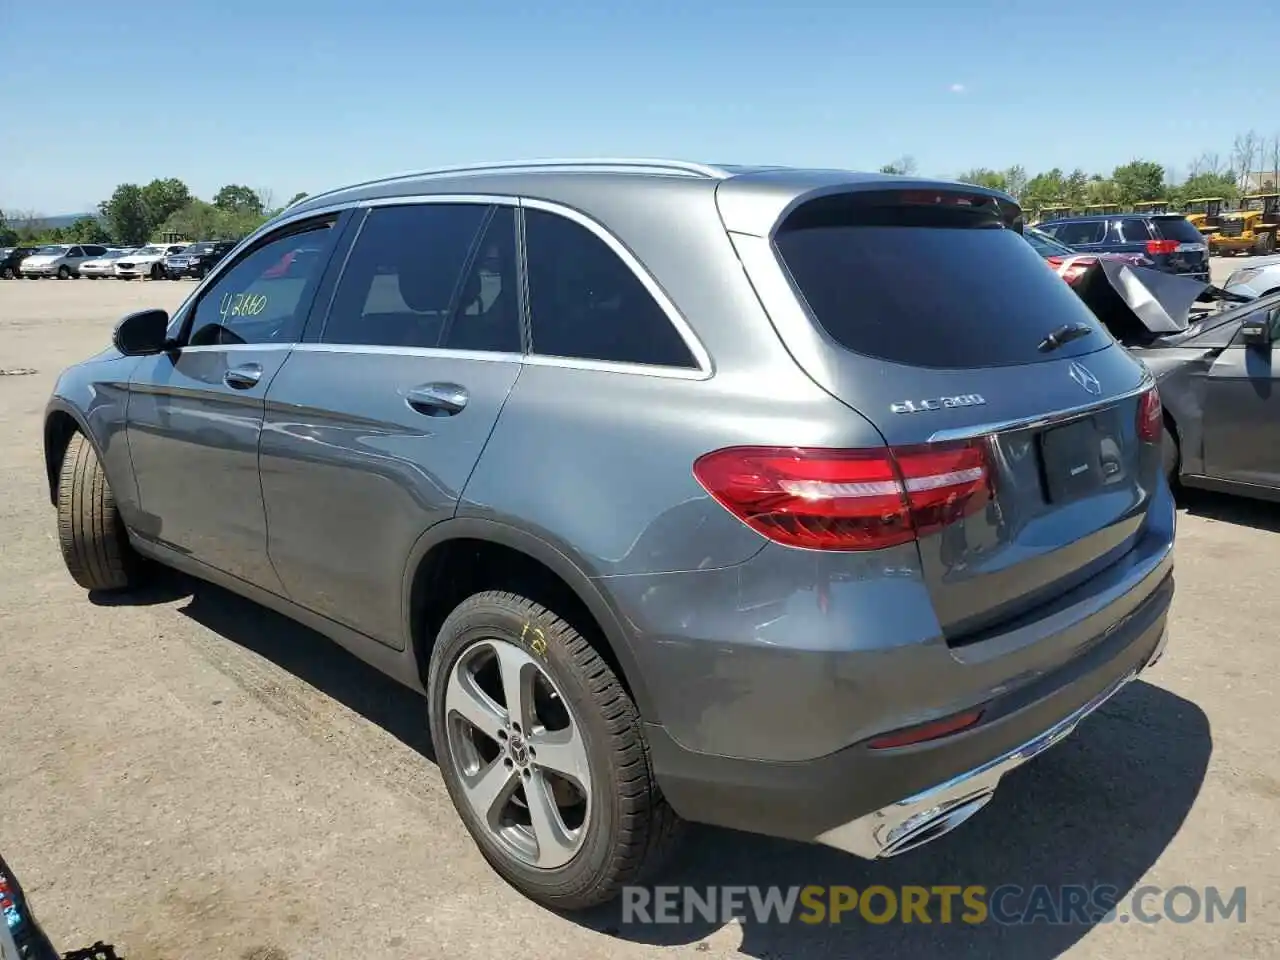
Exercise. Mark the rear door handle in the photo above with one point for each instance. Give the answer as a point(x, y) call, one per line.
point(244, 376)
point(438, 399)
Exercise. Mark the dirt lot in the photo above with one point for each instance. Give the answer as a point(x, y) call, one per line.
point(186, 775)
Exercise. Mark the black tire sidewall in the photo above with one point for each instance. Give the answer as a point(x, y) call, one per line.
point(496, 618)
point(64, 272)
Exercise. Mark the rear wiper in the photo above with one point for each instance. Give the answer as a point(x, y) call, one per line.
point(1064, 334)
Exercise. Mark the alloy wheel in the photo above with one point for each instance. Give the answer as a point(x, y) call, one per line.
point(519, 753)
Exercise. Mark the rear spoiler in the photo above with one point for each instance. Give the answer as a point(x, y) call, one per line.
point(1137, 304)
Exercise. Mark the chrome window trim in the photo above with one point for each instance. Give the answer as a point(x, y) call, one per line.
point(270, 347)
point(701, 357)
point(444, 353)
point(1042, 419)
point(704, 367)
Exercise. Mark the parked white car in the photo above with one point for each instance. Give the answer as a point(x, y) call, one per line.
point(104, 266)
point(147, 261)
point(61, 260)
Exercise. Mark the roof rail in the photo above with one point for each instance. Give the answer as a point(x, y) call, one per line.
point(685, 168)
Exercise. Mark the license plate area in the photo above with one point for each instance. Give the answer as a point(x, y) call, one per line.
point(1071, 460)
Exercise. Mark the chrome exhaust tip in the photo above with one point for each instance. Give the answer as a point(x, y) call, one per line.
point(932, 824)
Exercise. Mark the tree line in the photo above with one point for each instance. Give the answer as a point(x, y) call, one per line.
point(136, 214)
point(1252, 164)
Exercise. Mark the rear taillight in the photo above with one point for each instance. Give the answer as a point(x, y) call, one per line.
point(824, 499)
point(1162, 246)
point(1150, 417)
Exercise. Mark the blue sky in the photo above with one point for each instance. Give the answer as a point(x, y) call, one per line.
point(306, 94)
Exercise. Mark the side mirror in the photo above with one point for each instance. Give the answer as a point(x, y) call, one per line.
point(1256, 333)
point(143, 333)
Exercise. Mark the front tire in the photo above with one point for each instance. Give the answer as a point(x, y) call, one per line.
point(558, 793)
point(157, 272)
point(64, 272)
point(7, 273)
point(95, 545)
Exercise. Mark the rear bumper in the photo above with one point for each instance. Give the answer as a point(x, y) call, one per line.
point(873, 803)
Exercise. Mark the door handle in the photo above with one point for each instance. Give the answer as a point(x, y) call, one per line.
point(438, 399)
point(244, 376)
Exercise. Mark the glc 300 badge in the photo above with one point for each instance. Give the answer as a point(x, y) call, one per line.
point(938, 403)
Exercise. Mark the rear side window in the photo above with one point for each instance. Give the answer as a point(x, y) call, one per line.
point(1129, 230)
point(1178, 228)
point(430, 275)
point(1080, 231)
point(932, 288)
point(585, 303)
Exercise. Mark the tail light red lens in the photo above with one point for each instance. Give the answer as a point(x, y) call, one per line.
point(1150, 417)
point(925, 732)
point(1162, 246)
point(822, 499)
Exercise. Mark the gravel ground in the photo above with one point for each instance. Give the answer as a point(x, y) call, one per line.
point(186, 775)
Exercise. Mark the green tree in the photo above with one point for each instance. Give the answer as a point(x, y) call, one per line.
point(8, 235)
point(199, 220)
point(1101, 190)
point(161, 198)
point(237, 198)
point(126, 214)
point(1015, 180)
point(1217, 184)
point(985, 177)
point(87, 230)
point(298, 198)
point(1139, 180)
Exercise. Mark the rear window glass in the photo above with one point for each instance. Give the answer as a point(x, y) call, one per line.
point(932, 288)
point(1178, 228)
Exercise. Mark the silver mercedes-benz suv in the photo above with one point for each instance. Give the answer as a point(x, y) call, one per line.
point(804, 502)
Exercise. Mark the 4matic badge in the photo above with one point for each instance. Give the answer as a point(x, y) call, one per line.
point(938, 403)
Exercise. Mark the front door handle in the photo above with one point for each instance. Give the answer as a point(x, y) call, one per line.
point(438, 399)
point(243, 377)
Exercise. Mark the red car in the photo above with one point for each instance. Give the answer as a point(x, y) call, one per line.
point(1070, 265)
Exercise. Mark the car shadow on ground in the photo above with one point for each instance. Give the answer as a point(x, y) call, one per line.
point(307, 655)
point(1096, 810)
point(1259, 514)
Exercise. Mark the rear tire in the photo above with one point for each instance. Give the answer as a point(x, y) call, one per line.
point(7, 273)
point(612, 831)
point(95, 545)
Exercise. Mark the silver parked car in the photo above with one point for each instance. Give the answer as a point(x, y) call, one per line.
point(61, 260)
point(801, 502)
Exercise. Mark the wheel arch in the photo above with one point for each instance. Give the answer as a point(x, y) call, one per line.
point(61, 421)
point(449, 550)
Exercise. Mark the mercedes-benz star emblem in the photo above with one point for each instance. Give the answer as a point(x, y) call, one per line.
point(1083, 376)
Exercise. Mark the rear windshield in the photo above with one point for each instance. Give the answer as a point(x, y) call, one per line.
point(940, 287)
point(1177, 228)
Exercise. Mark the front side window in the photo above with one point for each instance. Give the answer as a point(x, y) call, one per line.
point(434, 275)
point(265, 295)
point(1080, 231)
point(586, 303)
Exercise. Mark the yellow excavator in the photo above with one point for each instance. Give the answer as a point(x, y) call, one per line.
point(1099, 209)
point(1152, 207)
point(1205, 214)
point(1249, 229)
point(1053, 212)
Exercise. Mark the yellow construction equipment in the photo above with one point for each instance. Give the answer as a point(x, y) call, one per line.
point(1249, 229)
point(1205, 214)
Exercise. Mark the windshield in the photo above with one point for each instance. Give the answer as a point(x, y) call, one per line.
point(1045, 245)
point(148, 251)
point(54, 251)
point(199, 248)
point(113, 254)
